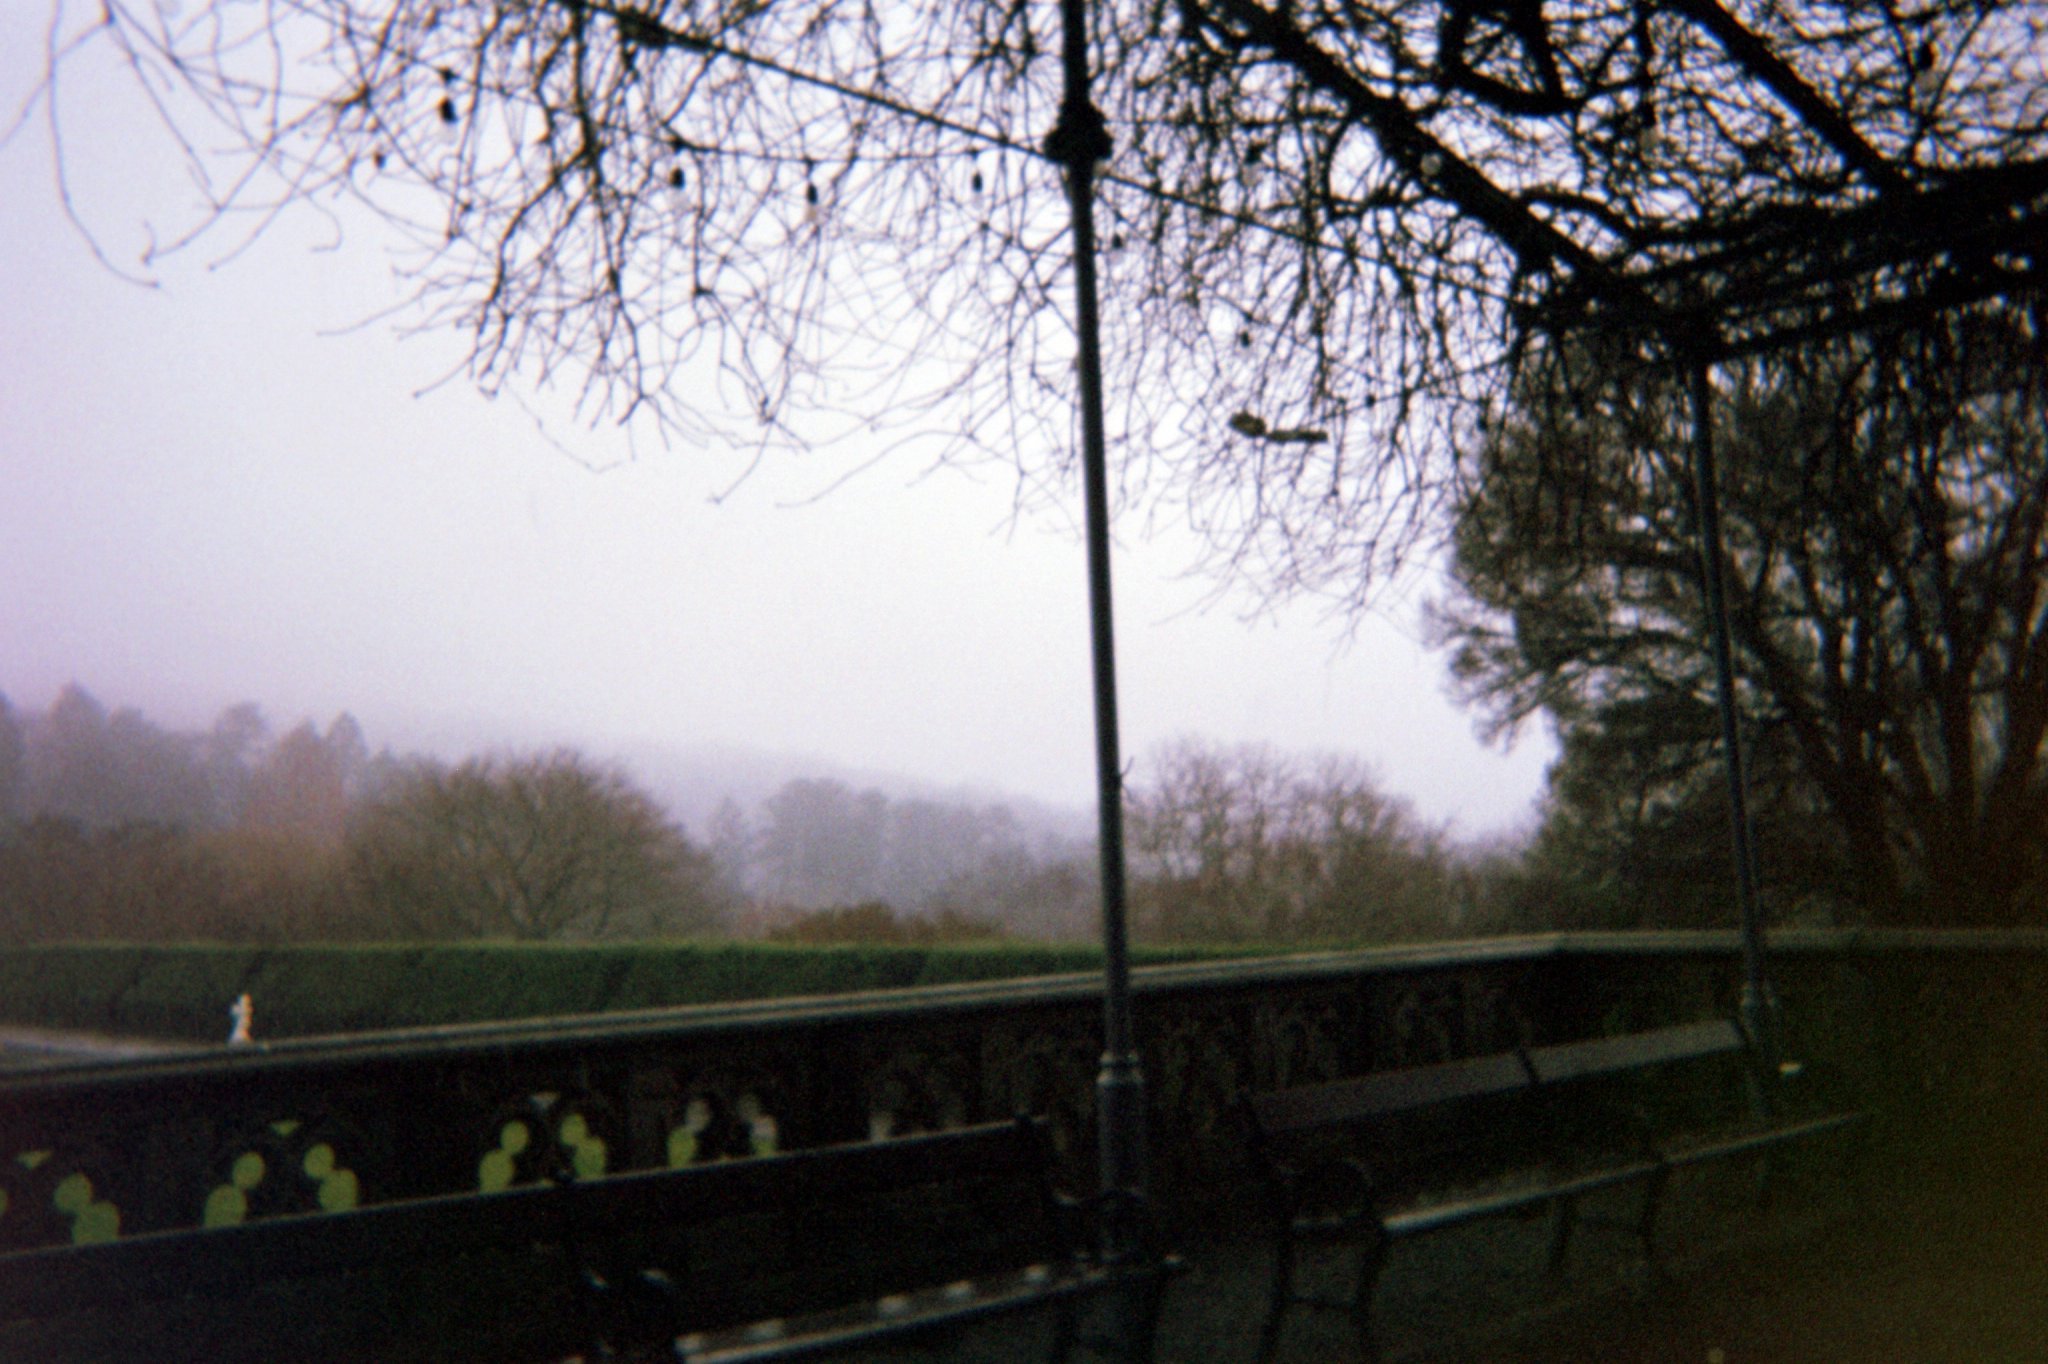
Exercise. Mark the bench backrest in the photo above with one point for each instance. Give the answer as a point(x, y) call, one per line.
point(745, 1239)
point(1598, 1057)
point(1504, 1075)
point(758, 1239)
point(479, 1276)
point(1388, 1093)
point(59, 1280)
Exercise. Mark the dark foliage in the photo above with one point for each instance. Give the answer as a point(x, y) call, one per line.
point(1886, 509)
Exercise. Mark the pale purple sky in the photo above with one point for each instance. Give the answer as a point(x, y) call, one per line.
point(222, 488)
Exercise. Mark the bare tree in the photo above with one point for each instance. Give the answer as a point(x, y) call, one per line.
point(545, 846)
point(1333, 229)
point(1249, 844)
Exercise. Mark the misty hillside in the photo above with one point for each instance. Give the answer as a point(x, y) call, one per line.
point(762, 836)
point(114, 826)
point(692, 781)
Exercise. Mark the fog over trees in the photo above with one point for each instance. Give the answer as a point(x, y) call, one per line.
point(1362, 264)
point(121, 829)
point(80, 762)
point(115, 827)
point(118, 828)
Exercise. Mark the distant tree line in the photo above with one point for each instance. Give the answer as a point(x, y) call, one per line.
point(80, 763)
point(114, 828)
point(817, 848)
point(1227, 845)
point(1247, 844)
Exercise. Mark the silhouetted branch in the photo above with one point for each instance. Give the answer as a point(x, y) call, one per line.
point(773, 221)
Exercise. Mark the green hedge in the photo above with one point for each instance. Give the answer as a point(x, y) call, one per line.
point(184, 991)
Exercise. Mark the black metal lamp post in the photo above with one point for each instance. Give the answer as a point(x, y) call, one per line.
point(1078, 143)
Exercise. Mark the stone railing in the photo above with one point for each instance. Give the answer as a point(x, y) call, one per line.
point(1935, 1028)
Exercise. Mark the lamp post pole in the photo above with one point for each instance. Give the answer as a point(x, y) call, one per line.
point(1079, 142)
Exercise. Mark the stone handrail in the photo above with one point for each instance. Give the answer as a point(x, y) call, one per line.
point(1927, 1022)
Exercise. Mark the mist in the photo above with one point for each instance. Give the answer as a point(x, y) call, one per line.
point(232, 481)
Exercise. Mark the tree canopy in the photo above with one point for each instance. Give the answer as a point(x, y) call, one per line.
point(1886, 509)
point(539, 846)
point(1247, 844)
point(1333, 230)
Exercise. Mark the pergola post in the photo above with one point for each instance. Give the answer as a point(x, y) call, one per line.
point(1759, 1004)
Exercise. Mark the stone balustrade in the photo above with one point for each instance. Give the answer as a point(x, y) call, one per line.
point(1939, 1030)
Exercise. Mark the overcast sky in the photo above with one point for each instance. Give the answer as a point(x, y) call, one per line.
point(223, 488)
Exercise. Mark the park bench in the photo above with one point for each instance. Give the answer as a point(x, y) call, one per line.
point(1374, 1160)
point(767, 1258)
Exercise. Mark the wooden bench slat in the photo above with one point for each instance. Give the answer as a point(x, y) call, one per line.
point(730, 1187)
point(53, 1281)
point(1438, 1216)
point(932, 1310)
point(1384, 1093)
point(1601, 1056)
point(1697, 1153)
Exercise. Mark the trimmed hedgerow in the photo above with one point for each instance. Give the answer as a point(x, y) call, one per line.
point(184, 991)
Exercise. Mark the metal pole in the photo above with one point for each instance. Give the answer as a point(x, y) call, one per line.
point(1759, 1003)
point(1079, 141)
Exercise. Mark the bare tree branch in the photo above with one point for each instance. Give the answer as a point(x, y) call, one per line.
point(774, 221)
